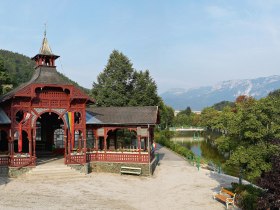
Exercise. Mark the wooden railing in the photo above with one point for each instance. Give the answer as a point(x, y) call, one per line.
point(4, 160)
point(118, 157)
point(75, 159)
point(22, 161)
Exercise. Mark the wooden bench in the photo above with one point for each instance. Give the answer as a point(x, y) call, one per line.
point(130, 170)
point(225, 196)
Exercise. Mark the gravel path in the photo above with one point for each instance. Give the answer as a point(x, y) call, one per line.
point(175, 185)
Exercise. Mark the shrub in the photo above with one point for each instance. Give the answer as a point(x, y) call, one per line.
point(163, 137)
point(246, 196)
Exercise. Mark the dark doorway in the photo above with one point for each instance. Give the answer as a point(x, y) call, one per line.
point(3, 142)
point(25, 142)
point(49, 134)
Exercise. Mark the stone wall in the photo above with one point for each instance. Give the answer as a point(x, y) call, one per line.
point(116, 167)
point(15, 172)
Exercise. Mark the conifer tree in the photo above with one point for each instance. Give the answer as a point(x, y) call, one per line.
point(114, 84)
point(121, 85)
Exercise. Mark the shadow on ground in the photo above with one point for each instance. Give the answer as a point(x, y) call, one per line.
point(4, 181)
point(160, 154)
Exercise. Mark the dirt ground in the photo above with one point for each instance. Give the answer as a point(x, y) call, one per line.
point(175, 185)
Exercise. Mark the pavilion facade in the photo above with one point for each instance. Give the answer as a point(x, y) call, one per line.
point(49, 115)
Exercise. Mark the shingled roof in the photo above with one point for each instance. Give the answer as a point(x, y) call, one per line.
point(123, 115)
point(4, 119)
point(42, 75)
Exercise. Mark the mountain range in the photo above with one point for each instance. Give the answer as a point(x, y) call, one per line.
point(201, 97)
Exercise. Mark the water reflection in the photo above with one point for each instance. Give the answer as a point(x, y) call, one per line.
point(201, 146)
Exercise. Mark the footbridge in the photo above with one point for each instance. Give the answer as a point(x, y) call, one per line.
point(187, 129)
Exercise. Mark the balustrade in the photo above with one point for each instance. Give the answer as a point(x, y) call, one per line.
point(22, 161)
point(118, 157)
point(4, 160)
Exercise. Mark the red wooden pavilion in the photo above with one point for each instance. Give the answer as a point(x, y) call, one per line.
point(49, 115)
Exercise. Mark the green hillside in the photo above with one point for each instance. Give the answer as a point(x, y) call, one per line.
point(20, 68)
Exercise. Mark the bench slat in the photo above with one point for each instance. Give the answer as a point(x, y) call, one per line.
point(125, 167)
point(130, 170)
point(227, 192)
point(225, 196)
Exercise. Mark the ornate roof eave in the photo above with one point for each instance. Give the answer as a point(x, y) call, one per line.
point(43, 55)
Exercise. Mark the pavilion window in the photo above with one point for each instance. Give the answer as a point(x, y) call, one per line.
point(90, 138)
point(38, 131)
point(58, 138)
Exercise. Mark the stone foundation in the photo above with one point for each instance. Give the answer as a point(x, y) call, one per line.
point(16, 172)
point(116, 167)
point(112, 167)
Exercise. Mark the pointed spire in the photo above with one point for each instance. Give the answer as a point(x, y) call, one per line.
point(45, 56)
point(45, 48)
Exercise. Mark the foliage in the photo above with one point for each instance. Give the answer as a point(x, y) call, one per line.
point(252, 160)
point(4, 78)
point(247, 196)
point(182, 120)
point(115, 84)
point(221, 105)
point(166, 115)
point(144, 91)
point(186, 118)
point(19, 69)
point(187, 111)
point(271, 182)
point(209, 118)
point(120, 85)
point(163, 137)
point(275, 93)
point(247, 129)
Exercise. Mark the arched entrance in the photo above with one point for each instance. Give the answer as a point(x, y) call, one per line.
point(49, 134)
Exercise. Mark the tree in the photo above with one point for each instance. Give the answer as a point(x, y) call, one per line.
point(166, 115)
point(120, 85)
point(182, 120)
point(252, 161)
point(249, 127)
point(271, 182)
point(144, 91)
point(114, 85)
point(4, 78)
point(187, 111)
point(221, 105)
point(275, 93)
point(209, 118)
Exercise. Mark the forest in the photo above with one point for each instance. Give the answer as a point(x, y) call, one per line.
point(16, 69)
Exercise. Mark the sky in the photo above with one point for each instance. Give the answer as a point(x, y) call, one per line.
point(183, 43)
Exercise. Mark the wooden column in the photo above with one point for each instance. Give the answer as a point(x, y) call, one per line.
point(96, 139)
point(105, 140)
point(69, 138)
point(115, 139)
point(65, 143)
point(10, 142)
point(105, 143)
point(29, 136)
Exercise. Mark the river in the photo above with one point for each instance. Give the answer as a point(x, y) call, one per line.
point(201, 144)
